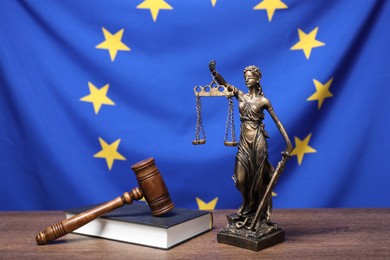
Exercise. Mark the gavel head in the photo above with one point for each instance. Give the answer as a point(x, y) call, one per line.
point(153, 187)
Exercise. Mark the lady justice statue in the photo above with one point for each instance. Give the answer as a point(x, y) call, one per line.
point(254, 176)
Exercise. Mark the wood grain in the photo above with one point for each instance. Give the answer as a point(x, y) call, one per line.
point(310, 234)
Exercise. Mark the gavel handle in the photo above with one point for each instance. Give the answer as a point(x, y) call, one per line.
point(69, 225)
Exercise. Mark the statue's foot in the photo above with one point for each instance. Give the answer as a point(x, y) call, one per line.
point(240, 210)
point(245, 211)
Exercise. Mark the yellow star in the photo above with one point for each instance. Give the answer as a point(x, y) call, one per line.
point(113, 43)
point(97, 97)
point(206, 206)
point(270, 6)
point(154, 6)
point(109, 152)
point(307, 42)
point(322, 92)
point(301, 148)
point(213, 2)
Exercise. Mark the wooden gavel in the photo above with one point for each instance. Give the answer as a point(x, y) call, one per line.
point(151, 187)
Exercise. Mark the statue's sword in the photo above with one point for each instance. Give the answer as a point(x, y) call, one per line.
point(277, 172)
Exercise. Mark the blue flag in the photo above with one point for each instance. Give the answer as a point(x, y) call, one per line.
point(89, 88)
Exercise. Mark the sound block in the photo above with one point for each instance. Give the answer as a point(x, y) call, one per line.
point(254, 244)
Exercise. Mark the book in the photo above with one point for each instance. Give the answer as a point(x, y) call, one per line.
point(134, 224)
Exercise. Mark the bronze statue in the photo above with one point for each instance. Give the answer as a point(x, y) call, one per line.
point(254, 176)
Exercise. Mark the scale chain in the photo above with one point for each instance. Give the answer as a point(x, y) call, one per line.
point(230, 123)
point(199, 125)
point(233, 131)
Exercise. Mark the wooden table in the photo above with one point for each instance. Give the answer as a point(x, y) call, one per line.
point(310, 234)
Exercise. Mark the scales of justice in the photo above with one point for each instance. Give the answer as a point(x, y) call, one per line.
point(250, 227)
point(214, 90)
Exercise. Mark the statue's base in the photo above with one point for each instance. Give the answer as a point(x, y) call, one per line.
point(266, 235)
point(250, 243)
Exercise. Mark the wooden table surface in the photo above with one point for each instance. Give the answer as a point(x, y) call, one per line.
point(310, 234)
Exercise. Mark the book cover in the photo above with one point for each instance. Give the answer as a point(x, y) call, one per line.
point(135, 224)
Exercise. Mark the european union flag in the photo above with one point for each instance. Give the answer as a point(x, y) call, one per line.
point(90, 88)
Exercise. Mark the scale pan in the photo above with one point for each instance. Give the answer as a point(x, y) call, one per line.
point(228, 143)
point(201, 141)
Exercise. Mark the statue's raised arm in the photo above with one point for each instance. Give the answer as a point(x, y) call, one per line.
point(219, 78)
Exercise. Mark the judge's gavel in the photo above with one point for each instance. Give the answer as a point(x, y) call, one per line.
point(151, 187)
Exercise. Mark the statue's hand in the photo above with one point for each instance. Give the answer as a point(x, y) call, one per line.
point(212, 65)
point(286, 154)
